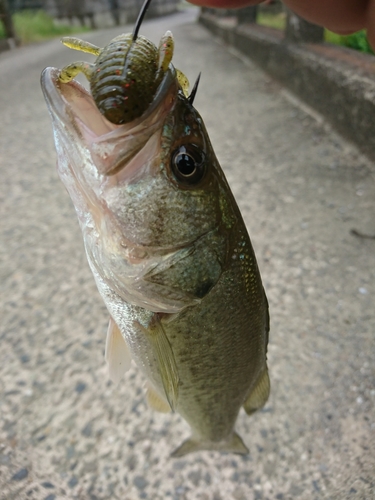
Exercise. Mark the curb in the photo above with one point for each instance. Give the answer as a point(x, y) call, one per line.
point(337, 82)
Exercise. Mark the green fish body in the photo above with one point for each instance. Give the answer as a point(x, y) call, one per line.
point(171, 257)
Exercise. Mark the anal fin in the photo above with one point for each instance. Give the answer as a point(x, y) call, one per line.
point(232, 445)
point(259, 395)
point(117, 354)
point(157, 402)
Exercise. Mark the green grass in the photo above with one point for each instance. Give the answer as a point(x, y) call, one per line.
point(35, 26)
point(356, 41)
point(334, 38)
point(277, 21)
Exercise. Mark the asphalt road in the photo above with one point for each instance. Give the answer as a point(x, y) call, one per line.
point(65, 430)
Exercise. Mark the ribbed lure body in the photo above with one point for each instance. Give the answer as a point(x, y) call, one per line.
point(125, 78)
point(126, 74)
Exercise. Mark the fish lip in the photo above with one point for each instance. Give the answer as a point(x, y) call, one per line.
point(51, 87)
point(58, 106)
point(75, 115)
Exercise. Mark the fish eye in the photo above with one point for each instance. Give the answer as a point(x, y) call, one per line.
point(188, 164)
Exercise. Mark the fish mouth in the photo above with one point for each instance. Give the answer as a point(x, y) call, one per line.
point(74, 113)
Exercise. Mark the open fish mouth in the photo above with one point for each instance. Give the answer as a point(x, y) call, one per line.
point(72, 100)
point(74, 113)
point(94, 155)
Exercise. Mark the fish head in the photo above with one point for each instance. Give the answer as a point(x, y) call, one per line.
point(144, 192)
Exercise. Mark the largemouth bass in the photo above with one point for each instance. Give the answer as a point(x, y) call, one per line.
point(170, 255)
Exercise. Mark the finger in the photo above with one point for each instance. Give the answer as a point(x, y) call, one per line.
point(344, 16)
point(225, 4)
point(370, 23)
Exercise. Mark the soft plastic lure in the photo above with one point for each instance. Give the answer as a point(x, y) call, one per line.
point(127, 72)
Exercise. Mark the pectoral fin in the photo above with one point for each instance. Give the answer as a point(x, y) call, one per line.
point(165, 358)
point(259, 395)
point(233, 445)
point(117, 354)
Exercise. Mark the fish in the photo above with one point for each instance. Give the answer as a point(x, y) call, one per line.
point(170, 254)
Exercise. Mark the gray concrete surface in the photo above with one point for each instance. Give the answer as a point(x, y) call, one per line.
point(66, 431)
point(336, 81)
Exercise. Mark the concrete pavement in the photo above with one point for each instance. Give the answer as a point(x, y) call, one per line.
point(65, 430)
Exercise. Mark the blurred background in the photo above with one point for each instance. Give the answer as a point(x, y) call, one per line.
point(25, 21)
point(307, 195)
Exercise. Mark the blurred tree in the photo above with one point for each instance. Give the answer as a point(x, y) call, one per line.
point(299, 30)
point(247, 15)
point(115, 11)
point(6, 19)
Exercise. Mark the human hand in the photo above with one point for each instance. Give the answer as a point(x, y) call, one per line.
point(340, 16)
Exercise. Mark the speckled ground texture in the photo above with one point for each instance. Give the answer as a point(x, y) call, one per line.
point(65, 430)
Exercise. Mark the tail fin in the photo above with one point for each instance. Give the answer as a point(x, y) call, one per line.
point(232, 445)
